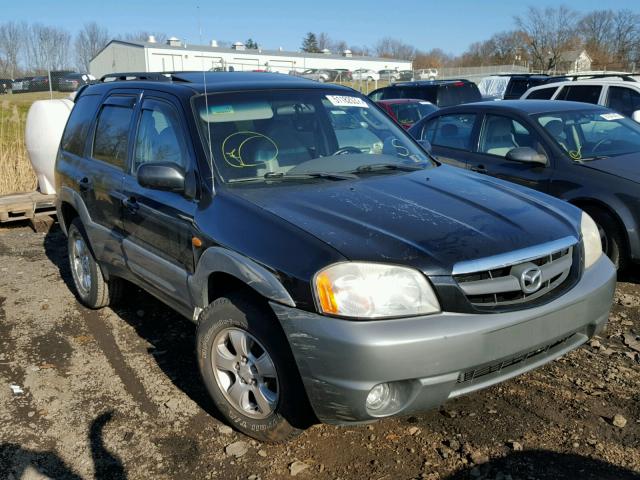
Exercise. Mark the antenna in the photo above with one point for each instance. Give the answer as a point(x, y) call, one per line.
point(206, 102)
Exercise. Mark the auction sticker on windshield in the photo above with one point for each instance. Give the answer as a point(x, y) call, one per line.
point(347, 101)
point(612, 116)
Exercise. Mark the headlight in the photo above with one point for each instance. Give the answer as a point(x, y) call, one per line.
point(373, 290)
point(590, 240)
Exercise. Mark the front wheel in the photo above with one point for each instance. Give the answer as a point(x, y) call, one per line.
point(249, 371)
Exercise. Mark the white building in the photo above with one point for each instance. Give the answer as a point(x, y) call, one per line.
point(128, 56)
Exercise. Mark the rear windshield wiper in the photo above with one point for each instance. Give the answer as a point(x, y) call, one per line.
point(306, 175)
point(374, 167)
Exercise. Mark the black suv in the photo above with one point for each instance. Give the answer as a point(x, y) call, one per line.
point(335, 271)
point(443, 93)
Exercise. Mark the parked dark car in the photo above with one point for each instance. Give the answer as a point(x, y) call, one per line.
point(341, 75)
point(584, 154)
point(442, 93)
point(5, 85)
point(407, 111)
point(39, 83)
point(334, 270)
point(56, 76)
point(72, 82)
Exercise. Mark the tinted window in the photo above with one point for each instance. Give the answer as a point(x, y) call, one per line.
point(580, 93)
point(160, 137)
point(112, 132)
point(542, 94)
point(457, 93)
point(429, 94)
point(75, 133)
point(517, 87)
point(453, 131)
point(502, 134)
point(624, 100)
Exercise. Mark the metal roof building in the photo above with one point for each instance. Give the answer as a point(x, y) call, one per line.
point(130, 56)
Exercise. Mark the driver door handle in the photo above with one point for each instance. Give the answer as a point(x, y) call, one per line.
point(131, 204)
point(479, 169)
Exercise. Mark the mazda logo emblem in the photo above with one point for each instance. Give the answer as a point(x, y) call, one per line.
point(531, 280)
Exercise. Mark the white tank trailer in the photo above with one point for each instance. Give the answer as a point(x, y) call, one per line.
point(45, 123)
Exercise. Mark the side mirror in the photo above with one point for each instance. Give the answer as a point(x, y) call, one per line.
point(526, 155)
point(636, 116)
point(426, 144)
point(162, 176)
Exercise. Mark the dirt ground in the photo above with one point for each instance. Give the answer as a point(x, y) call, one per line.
point(116, 394)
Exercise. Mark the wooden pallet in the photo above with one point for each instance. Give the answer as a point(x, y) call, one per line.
point(35, 207)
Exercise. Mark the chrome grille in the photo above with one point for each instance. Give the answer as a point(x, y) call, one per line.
point(506, 285)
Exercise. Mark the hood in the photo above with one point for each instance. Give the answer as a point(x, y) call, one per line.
point(624, 166)
point(429, 219)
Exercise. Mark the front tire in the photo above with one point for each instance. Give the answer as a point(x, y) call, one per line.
point(249, 371)
point(92, 289)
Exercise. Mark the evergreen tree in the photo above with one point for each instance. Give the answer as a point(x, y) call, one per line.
point(310, 43)
point(251, 44)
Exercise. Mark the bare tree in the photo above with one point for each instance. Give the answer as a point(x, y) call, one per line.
point(11, 43)
point(89, 41)
point(432, 58)
point(550, 32)
point(143, 36)
point(47, 48)
point(626, 34)
point(596, 32)
point(324, 41)
point(392, 48)
point(360, 51)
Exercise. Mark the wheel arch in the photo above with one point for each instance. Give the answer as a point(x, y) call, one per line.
point(623, 218)
point(221, 270)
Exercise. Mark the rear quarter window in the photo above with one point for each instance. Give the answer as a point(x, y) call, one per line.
point(74, 137)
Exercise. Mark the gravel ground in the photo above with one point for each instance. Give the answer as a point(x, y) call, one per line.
point(115, 394)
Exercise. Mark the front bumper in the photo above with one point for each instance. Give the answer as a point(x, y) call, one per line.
point(437, 357)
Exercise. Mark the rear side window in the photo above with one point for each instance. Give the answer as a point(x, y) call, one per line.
point(452, 131)
point(75, 133)
point(542, 94)
point(458, 93)
point(580, 93)
point(624, 100)
point(112, 135)
point(517, 87)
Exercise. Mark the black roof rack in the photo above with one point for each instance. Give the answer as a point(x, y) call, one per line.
point(627, 77)
point(147, 76)
point(430, 82)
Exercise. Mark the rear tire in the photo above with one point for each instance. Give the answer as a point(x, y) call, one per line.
point(612, 235)
point(249, 371)
point(92, 289)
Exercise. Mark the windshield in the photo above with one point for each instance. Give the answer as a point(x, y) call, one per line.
point(262, 135)
point(592, 134)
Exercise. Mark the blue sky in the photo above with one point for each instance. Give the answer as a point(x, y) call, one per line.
point(450, 25)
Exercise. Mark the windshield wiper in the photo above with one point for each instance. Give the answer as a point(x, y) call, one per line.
point(375, 167)
point(306, 175)
point(595, 157)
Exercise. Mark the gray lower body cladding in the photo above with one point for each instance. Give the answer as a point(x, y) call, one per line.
point(433, 358)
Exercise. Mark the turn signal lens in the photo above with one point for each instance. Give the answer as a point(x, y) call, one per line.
point(325, 294)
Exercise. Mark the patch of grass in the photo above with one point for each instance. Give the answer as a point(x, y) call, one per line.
point(16, 174)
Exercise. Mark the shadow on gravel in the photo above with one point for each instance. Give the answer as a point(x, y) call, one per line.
point(546, 465)
point(172, 337)
point(17, 462)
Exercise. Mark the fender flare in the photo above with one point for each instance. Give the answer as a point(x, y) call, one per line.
point(70, 196)
point(254, 275)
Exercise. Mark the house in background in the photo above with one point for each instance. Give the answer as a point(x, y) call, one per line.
point(176, 55)
point(574, 61)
